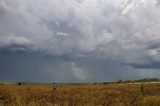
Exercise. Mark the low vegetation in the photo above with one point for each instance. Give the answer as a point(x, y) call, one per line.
point(123, 94)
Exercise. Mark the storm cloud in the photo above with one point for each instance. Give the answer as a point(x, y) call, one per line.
point(119, 34)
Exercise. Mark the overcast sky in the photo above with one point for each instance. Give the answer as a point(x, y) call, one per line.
point(79, 40)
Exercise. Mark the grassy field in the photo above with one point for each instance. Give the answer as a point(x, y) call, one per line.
point(81, 95)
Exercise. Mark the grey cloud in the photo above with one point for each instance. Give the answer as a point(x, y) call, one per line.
point(158, 2)
point(147, 66)
point(91, 26)
point(154, 45)
point(14, 49)
point(117, 30)
point(4, 8)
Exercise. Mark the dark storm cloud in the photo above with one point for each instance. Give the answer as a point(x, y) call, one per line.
point(147, 66)
point(43, 68)
point(153, 46)
point(33, 67)
point(15, 49)
point(151, 65)
point(119, 31)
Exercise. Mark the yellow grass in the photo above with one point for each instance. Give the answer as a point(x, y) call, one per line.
point(81, 95)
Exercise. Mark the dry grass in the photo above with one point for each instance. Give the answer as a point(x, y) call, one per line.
point(81, 95)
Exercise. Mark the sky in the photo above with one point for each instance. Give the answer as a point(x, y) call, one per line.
point(79, 40)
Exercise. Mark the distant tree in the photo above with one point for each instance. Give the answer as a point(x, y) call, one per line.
point(104, 83)
point(95, 83)
point(128, 81)
point(19, 83)
point(120, 81)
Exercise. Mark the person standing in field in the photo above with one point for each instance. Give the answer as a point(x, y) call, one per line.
point(54, 87)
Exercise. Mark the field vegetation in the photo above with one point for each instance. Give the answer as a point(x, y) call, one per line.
point(122, 94)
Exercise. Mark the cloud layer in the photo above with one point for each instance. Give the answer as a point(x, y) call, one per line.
point(125, 31)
